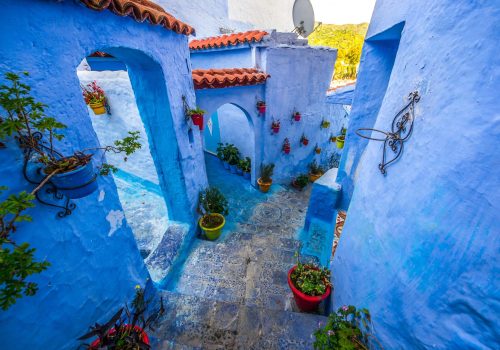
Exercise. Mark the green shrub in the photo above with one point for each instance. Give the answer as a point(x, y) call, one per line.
point(266, 172)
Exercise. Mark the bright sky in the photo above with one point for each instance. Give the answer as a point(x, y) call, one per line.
point(343, 11)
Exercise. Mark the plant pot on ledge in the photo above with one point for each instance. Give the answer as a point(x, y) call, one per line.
point(264, 186)
point(143, 336)
point(212, 225)
point(306, 303)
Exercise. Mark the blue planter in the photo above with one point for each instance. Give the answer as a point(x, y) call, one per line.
point(77, 183)
point(226, 165)
point(232, 168)
point(246, 175)
point(239, 171)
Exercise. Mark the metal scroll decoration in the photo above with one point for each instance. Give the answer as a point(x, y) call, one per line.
point(401, 130)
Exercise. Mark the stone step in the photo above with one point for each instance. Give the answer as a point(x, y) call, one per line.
point(198, 323)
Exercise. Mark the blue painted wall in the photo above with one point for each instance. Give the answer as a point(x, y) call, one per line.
point(95, 260)
point(235, 57)
point(420, 246)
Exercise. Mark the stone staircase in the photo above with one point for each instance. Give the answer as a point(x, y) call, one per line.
point(233, 293)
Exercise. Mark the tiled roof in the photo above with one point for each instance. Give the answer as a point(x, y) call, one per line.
point(141, 10)
point(221, 78)
point(226, 40)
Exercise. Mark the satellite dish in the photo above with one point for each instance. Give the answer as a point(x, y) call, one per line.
point(303, 18)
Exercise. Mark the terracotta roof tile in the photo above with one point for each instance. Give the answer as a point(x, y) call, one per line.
point(221, 78)
point(141, 10)
point(227, 40)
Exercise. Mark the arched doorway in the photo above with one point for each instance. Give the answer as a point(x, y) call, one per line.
point(149, 182)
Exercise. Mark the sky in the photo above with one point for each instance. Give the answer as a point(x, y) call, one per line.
point(343, 11)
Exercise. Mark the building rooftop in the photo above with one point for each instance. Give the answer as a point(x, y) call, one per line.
point(252, 36)
point(221, 78)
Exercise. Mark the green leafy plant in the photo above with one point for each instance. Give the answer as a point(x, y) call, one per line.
point(196, 110)
point(232, 154)
point(26, 119)
point(245, 164)
point(266, 172)
point(220, 151)
point(325, 124)
point(17, 261)
point(212, 201)
point(310, 279)
point(125, 331)
point(315, 168)
point(347, 329)
point(343, 131)
point(334, 160)
point(93, 93)
point(301, 181)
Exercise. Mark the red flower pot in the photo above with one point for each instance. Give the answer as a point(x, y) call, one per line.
point(262, 109)
point(305, 142)
point(276, 129)
point(95, 344)
point(198, 120)
point(306, 302)
point(286, 149)
point(297, 117)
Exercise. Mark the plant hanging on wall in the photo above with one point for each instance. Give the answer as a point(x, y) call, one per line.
point(333, 138)
point(296, 116)
point(304, 140)
point(197, 117)
point(286, 146)
point(95, 97)
point(340, 141)
point(317, 149)
point(325, 124)
point(261, 107)
point(275, 126)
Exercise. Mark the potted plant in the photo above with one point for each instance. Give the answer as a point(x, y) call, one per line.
point(233, 157)
point(246, 167)
point(261, 107)
point(265, 181)
point(340, 141)
point(348, 328)
point(125, 331)
point(197, 117)
point(239, 168)
point(304, 140)
point(343, 131)
point(300, 182)
point(315, 171)
point(286, 146)
point(310, 285)
point(296, 116)
point(224, 152)
point(317, 149)
point(73, 175)
point(333, 138)
point(213, 206)
point(220, 152)
point(94, 97)
point(325, 124)
point(275, 126)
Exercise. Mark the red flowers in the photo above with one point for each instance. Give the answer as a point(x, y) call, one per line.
point(92, 93)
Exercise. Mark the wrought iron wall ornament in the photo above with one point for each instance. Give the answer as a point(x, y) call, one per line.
point(401, 130)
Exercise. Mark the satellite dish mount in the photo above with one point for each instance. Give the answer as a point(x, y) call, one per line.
point(303, 18)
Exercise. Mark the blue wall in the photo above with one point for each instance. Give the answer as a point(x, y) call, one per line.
point(95, 260)
point(233, 57)
point(420, 246)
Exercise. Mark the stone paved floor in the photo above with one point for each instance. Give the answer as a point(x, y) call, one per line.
point(233, 293)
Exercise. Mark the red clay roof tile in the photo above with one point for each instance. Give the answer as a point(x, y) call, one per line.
point(221, 78)
point(141, 10)
point(226, 40)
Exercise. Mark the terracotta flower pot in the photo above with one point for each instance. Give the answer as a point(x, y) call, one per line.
point(276, 129)
point(264, 186)
point(198, 120)
point(98, 108)
point(286, 149)
point(333, 139)
point(306, 302)
point(305, 142)
point(95, 344)
point(314, 177)
point(296, 117)
point(212, 233)
point(317, 150)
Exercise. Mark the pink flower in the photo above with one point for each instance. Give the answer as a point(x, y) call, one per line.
point(345, 308)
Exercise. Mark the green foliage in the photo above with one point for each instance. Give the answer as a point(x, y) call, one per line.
point(231, 154)
point(16, 261)
point(245, 164)
point(128, 144)
point(211, 200)
point(220, 151)
point(315, 168)
point(197, 110)
point(107, 169)
point(348, 39)
point(302, 180)
point(347, 329)
point(310, 279)
point(266, 172)
point(334, 160)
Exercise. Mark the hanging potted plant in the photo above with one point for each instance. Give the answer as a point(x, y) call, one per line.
point(343, 131)
point(125, 330)
point(94, 97)
point(197, 117)
point(246, 167)
point(300, 182)
point(340, 141)
point(265, 181)
point(317, 149)
point(233, 157)
point(213, 206)
point(310, 285)
point(73, 175)
point(275, 126)
point(304, 140)
point(261, 107)
point(333, 138)
point(325, 124)
point(315, 171)
point(296, 116)
point(286, 146)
